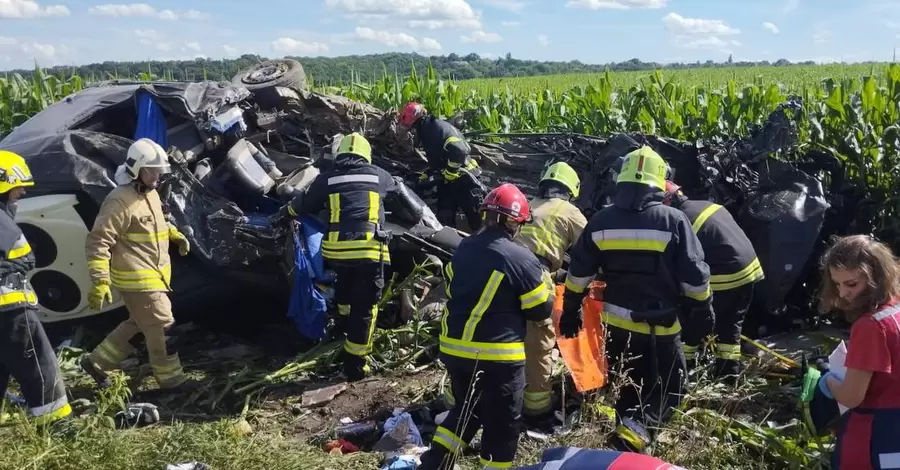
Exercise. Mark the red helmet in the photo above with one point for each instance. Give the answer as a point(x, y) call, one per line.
point(672, 190)
point(508, 200)
point(411, 113)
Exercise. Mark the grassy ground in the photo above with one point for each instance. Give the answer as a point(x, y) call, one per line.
point(249, 417)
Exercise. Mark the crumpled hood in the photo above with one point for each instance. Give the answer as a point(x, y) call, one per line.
point(636, 196)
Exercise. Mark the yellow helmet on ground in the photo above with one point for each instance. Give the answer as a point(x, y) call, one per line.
point(564, 174)
point(644, 166)
point(14, 172)
point(355, 144)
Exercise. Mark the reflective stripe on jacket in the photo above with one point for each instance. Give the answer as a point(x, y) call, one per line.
point(16, 260)
point(556, 227)
point(646, 252)
point(499, 286)
point(445, 147)
point(728, 252)
point(128, 247)
point(353, 192)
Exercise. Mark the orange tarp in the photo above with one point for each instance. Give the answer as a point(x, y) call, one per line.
point(584, 355)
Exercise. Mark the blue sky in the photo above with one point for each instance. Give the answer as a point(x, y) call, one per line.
point(55, 32)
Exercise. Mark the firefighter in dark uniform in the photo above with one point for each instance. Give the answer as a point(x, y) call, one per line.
point(447, 152)
point(652, 263)
point(734, 270)
point(495, 286)
point(353, 190)
point(25, 352)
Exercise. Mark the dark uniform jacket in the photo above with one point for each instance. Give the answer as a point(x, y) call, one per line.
point(16, 260)
point(494, 286)
point(647, 253)
point(445, 147)
point(730, 255)
point(352, 191)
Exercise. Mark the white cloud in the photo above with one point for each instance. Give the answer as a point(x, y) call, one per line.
point(542, 40)
point(510, 5)
point(148, 34)
point(30, 9)
point(682, 25)
point(143, 9)
point(706, 42)
point(230, 51)
point(616, 4)
point(771, 27)
point(481, 36)
point(510, 23)
point(421, 14)
point(292, 46)
point(392, 39)
point(789, 6)
point(192, 45)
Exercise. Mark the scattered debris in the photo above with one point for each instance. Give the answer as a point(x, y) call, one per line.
point(322, 395)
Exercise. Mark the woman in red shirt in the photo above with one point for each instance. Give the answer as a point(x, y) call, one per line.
point(861, 278)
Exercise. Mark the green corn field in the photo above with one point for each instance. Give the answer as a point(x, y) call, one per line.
point(849, 111)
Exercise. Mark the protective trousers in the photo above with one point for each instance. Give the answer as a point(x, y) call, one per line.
point(465, 193)
point(27, 355)
point(730, 307)
point(149, 313)
point(651, 370)
point(489, 396)
point(540, 338)
point(867, 440)
point(357, 291)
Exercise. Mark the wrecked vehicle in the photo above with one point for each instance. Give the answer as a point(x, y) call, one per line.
point(236, 156)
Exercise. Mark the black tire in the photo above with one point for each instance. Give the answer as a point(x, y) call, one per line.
point(286, 73)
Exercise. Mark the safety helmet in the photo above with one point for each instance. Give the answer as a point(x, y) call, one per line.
point(564, 174)
point(145, 153)
point(14, 172)
point(355, 144)
point(644, 166)
point(411, 113)
point(508, 200)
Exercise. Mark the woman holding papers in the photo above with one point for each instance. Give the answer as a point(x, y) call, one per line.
point(861, 278)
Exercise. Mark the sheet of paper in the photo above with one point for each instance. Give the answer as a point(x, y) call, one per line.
point(836, 365)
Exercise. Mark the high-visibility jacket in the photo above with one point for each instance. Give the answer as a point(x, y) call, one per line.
point(445, 147)
point(128, 247)
point(649, 256)
point(730, 255)
point(494, 285)
point(556, 227)
point(16, 260)
point(353, 191)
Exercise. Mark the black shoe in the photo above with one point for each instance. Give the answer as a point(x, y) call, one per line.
point(88, 366)
point(355, 368)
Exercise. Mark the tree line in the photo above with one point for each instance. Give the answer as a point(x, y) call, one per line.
point(335, 71)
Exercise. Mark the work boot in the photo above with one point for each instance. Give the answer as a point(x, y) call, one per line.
point(631, 436)
point(355, 368)
point(96, 373)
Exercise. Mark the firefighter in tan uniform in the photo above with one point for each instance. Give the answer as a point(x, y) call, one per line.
point(128, 249)
point(557, 225)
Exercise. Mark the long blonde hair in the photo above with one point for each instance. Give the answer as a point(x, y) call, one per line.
point(877, 263)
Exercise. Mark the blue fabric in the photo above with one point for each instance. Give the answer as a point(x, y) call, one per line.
point(574, 458)
point(307, 305)
point(151, 123)
point(413, 437)
point(400, 462)
point(314, 232)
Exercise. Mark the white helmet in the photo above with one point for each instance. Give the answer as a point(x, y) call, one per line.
point(143, 153)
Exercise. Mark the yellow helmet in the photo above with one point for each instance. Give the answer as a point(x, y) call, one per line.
point(14, 172)
point(355, 144)
point(644, 166)
point(564, 174)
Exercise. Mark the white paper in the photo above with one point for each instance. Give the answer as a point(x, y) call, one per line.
point(836, 365)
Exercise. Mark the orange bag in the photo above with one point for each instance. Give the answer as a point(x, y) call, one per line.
point(585, 355)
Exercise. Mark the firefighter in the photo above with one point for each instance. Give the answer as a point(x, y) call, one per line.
point(652, 263)
point(356, 247)
point(25, 352)
point(557, 225)
point(499, 287)
point(447, 152)
point(128, 249)
point(734, 270)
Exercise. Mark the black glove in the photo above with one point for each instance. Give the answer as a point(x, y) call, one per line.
point(701, 318)
point(570, 322)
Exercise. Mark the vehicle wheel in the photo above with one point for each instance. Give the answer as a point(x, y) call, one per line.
point(286, 73)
